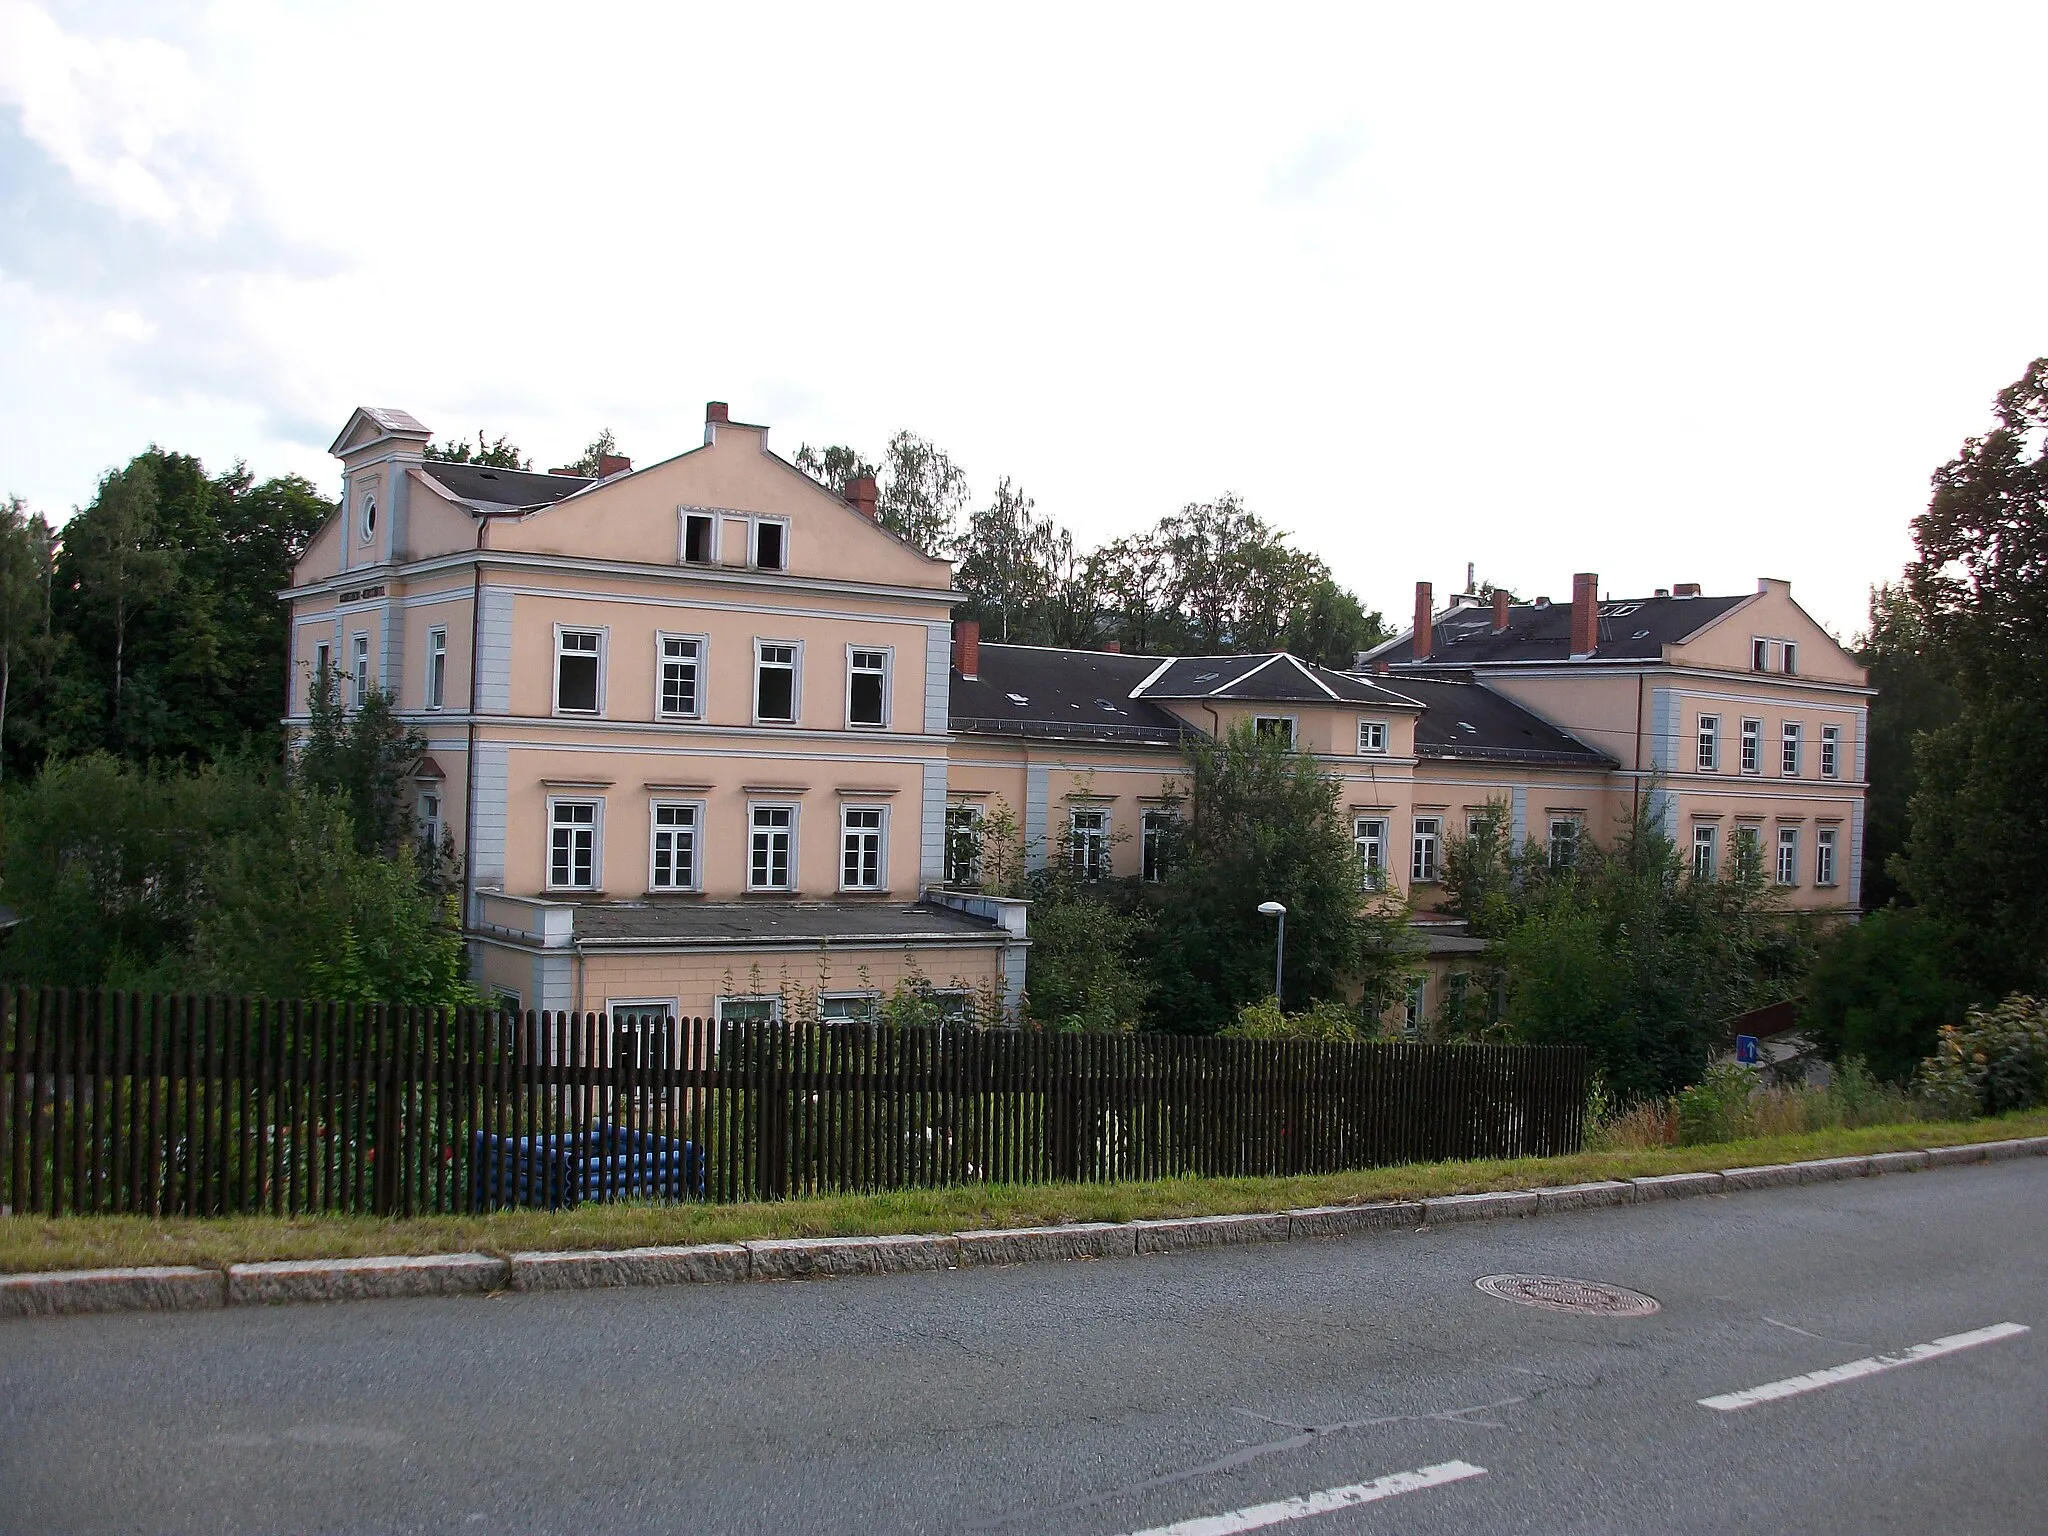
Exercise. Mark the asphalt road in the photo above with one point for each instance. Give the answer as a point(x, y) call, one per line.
point(1110, 1397)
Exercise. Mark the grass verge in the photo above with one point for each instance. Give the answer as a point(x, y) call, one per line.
point(88, 1242)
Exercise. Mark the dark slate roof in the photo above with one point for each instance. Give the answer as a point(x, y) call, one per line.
point(485, 489)
point(1273, 675)
point(1032, 690)
point(1464, 719)
point(818, 922)
point(1631, 629)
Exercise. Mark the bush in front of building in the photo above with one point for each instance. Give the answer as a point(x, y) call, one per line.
point(1996, 1060)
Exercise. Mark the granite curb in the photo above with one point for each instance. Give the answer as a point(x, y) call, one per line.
point(184, 1288)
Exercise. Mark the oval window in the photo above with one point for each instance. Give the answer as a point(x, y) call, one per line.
point(369, 518)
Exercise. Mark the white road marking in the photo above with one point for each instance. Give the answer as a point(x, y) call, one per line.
point(1302, 1506)
point(1835, 1375)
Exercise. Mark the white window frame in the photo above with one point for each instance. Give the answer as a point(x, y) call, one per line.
point(604, 645)
point(888, 655)
point(1768, 655)
point(1707, 758)
point(366, 520)
point(1791, 749)
point(596, 843)
point(1788, 856)
point(870, 1007)
point(754, 527)
point(1577, 830)
point(1371, 850)
point(636, 1021)
point(437, 667)
point(427, 806)
point(1751, 761)
point(879, 832)
point(1096, 837)
point(1292, 722)
point(970, 815)
point(323, 664)
point(359, 666)
point(655, 830)
point(1706, 850)
point(684, 516)
point(796, 680)
point(1831, 751)
point(795, 819)
point(730, 1001)
point(1155, 825)
point(1825, 848)
point(1425, 850)
point(1373, 736)
point(662, 638)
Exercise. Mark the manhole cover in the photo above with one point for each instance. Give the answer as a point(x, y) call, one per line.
point(1556, 1294)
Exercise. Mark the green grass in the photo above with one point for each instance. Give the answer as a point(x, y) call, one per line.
point(30, 1243)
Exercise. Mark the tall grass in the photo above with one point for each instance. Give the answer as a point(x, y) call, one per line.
point(1734, 1103)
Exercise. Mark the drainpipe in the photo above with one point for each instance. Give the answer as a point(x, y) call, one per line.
point(476, 629)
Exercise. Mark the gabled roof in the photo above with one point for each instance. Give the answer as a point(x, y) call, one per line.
point(1631, 629)
point(1032, 690)
point(382, 421)
point(1275, 676)
point(1465, 719)
point(484, 489)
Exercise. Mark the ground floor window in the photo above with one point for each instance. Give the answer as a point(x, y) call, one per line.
point(1429, 831)
point(1369, 838)
point(1788, 855)
point(673, 862)
point(1564, 842)
point(963, 847)
point(742, 1008)
point(643, 1031)
point(1157, 844)
point(1088, 834)
point(1706, 850)
point(1417, 1011)
point(849, 1007)
point(860, 862)
point(1824, 856)
point(772, 838)
point(572, 845)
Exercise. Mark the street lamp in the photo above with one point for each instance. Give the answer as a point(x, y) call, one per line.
point(1274, 909)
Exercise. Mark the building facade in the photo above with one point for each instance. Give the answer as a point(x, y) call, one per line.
point(706, 737)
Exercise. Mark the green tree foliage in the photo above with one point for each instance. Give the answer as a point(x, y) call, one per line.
point(921, 492)
point(1264, 827)
point(1005, 565)
point(160, 634)
point(363, 757)
point(1084, 972)
point(1996, 1060)
point(589, 461)
point(498, 453)
point(1624, 951)
point(27, 550)
point(1883, 988)
point(1916, 695)
point(834, 465)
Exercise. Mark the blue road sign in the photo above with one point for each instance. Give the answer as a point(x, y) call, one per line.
point(1746, 1050)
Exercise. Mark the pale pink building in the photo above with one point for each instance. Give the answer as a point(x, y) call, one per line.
point(707, 737)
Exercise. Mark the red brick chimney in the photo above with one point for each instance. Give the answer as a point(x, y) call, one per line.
point(1585, 614)
point(717, 410)
point(967, 647)
point(1425, 616)
point(1114, 647)
point(609, 464)
point(860, 495)
point(1686, 589)
point(1500, 609)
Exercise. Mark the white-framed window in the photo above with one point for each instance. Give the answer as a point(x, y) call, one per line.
point(862, 838)
point(1709, 756)
point(1706, 850)
point(1788, 657)
point(1831, 751)
point(360, 670)
point(579, 671)
point(1156, 837)
point(1275, 725)
point(1088, 843)
point(574, 843)
point(1791, 737)
point(750, 1008)
point(1752, 746)
point(1564, 841)
point(1369, 838)
point(777, 664)
point(637, 1027)
point(368, 522)
point(963, 847)
point(672, 850)
point(1788, 855)
point(1749, 846)
point(956, 1005)
point(1774, 656)
point(429, 809)
point(1372, 738)
point(771, 847)
point(699, 538)
point(323, 668)
point(437, 668)
point(867, 686)
point(1423, 850)
point(1416, 1010)
point(1824, 856)
point(770, 538)
point(849, 1007)
point(679, 680)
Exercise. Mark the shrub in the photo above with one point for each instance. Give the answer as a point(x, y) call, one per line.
point(1716, 1108)
point(1995, 1061)
point(1882, 988)
point(1263, 1020)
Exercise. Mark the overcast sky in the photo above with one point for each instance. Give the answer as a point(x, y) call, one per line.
point(1667, 293)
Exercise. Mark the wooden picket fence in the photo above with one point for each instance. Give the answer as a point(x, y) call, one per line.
point(113, 1102)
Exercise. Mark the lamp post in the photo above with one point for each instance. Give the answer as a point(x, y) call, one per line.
point(1274, 909)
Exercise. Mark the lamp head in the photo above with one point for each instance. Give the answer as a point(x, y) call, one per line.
point(1272, 909)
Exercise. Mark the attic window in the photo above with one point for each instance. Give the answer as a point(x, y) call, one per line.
point(1207, 677)
point(1018, 698)
point(1641, 634)
point(1468, 727)
point(1621, 609)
